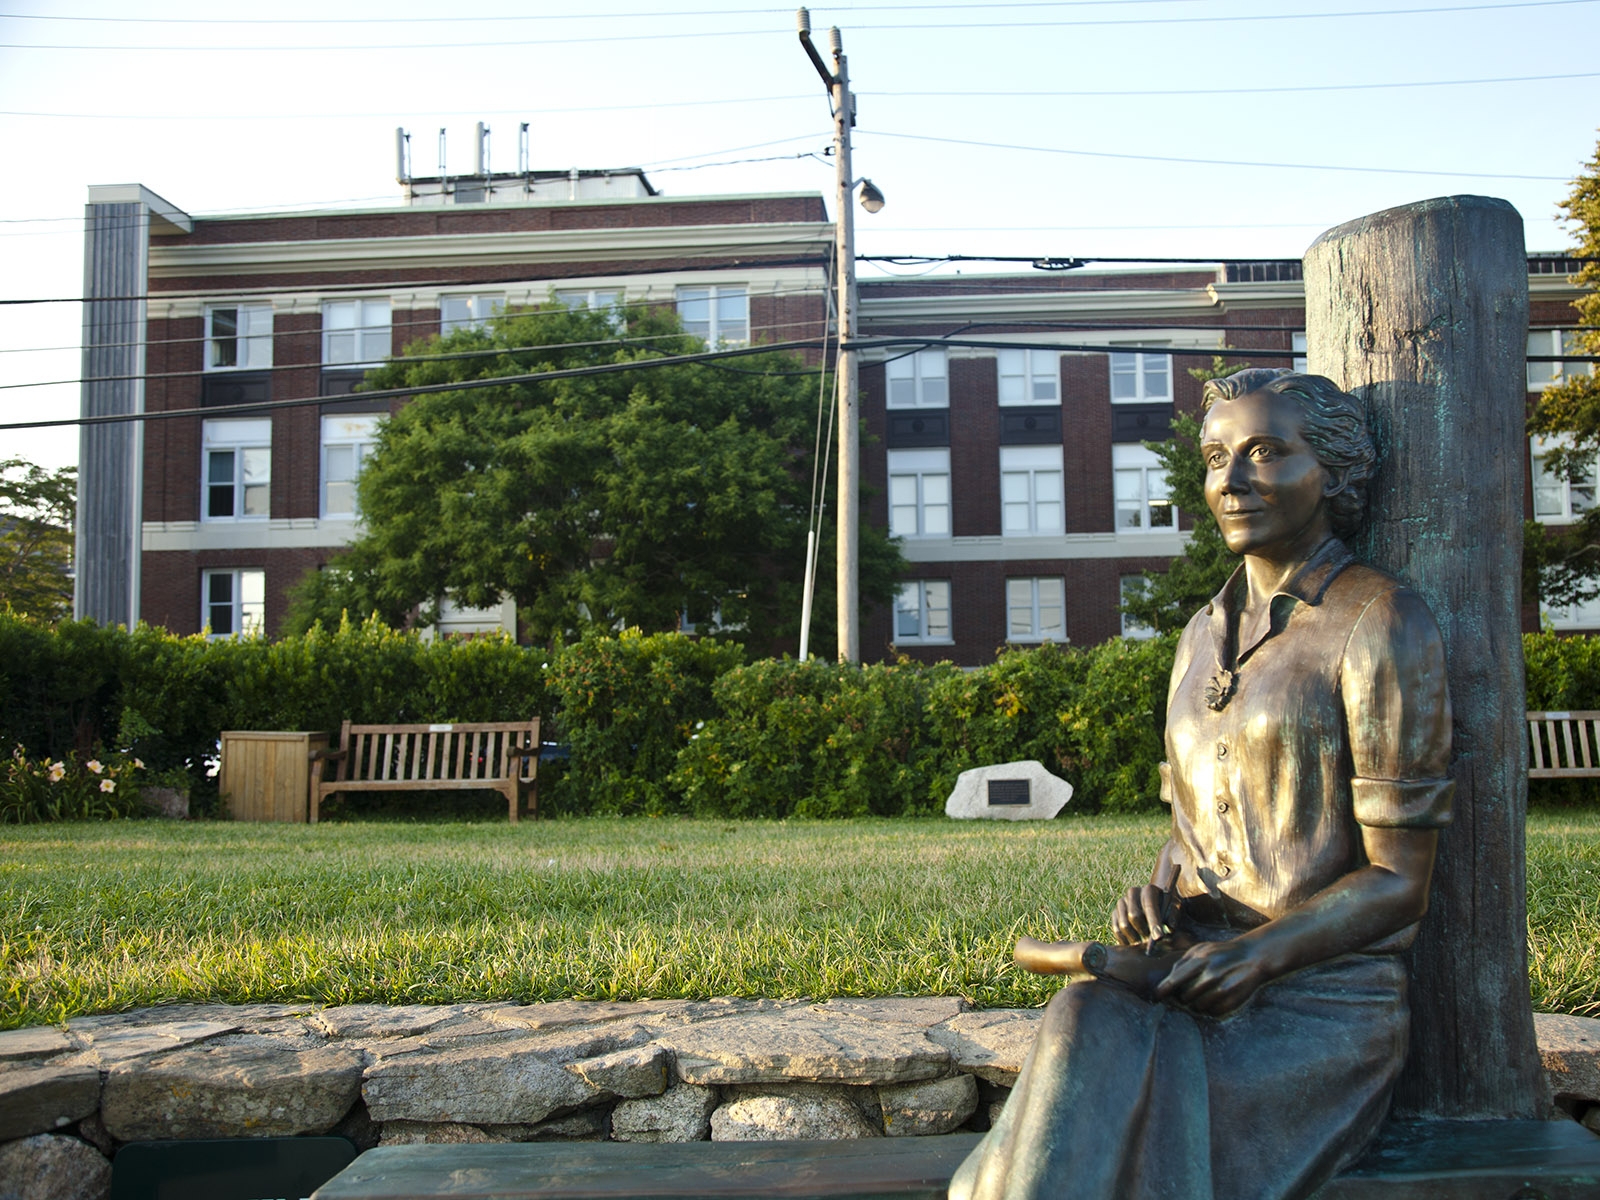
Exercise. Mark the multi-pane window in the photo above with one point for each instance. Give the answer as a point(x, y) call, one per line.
point(1554, 341)
point(592, 297)
point(1030, 376)
point(1298, 341)
point(347, 440)
point(355, 332)
point(1585, 614)
point(1144, 501)
point(1139, 377)
point(919, 493)
point(468, 311)
point(239, 337)
point(238, 469)
point(233, 602)
point(719, 316)
point(1036, 610)
point(1560, 499)
point(1030, 490)
point(918, 380)
point(1131, 588)
point(922, 611)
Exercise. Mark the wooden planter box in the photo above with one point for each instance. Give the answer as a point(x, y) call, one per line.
point(267, 776)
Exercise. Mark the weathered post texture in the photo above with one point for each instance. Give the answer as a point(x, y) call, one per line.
point(1423, 311)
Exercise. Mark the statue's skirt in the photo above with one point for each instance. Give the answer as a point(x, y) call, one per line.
point(1123, 1099)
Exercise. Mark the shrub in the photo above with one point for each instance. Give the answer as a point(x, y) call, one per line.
point(815, 739)
point(628, 705)
point(1094, 716)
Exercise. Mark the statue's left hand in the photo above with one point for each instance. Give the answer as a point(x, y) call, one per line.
point(1215, 978)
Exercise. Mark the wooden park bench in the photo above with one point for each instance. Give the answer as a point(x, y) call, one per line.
point(502, 755)
point(1562, 745)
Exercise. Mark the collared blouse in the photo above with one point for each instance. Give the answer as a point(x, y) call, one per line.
point(1329, 712)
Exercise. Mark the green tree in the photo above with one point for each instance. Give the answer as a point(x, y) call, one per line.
point(1167, 599)
point(630, 497)
point(36, 514)
point(1563, 565)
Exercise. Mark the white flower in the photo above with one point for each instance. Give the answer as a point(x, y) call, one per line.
point(57, 770)
point(139, 762)
point(108, 785)
point(95, 765)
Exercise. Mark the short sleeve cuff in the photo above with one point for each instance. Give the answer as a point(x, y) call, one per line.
point(1166, 782)
point(1403, 803)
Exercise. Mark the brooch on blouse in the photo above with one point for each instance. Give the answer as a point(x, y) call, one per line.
point(1219, 690)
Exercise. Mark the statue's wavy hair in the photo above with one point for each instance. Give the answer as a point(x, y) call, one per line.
point(1335, 427)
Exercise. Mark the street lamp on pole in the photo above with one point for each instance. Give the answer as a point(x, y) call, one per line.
point(848, 507)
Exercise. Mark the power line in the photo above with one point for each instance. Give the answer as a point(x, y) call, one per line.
point(586, 16)
point(710, 356)
point(988, 26)
point(1235, 91)
point(1207, 162)
point(945, 94)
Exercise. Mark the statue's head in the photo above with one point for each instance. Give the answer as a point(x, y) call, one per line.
point(1333, 423)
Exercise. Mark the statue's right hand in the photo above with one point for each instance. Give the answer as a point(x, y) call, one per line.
point(1137, 917)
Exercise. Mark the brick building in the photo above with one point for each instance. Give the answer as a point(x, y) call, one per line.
point(272, 307)
point(1013, 470)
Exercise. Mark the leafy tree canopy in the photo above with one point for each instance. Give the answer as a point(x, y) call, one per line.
point(1169, 598)
point(1563, 565)
point(630, 497)
point(36, 514)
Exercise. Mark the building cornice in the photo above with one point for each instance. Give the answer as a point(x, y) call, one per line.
point(660, 288)
point(435, 251)
point(1033, 549)
point(1033, 306)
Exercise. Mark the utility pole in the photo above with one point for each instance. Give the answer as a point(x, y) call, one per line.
point(848, 507)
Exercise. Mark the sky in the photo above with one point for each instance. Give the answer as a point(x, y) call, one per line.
point(1183, 128)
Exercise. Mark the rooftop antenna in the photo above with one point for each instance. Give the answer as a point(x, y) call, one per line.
point(480, 158)
point(522, 149)
point(402, 153)
point(441, 155)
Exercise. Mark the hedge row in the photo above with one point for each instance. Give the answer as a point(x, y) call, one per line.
point(655, 724)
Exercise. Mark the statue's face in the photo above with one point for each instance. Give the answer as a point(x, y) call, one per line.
point(1264, 484)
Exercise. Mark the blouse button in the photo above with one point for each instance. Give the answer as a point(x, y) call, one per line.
point(1223, 870)
point(1222, 806)
point(1222, 749)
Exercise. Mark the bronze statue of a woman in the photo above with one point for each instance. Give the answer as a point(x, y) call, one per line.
point(1242, 1038)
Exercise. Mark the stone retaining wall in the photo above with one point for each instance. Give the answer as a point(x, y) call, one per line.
point(651, 1071)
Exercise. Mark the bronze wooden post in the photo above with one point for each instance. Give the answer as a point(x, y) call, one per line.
point(1423, 312)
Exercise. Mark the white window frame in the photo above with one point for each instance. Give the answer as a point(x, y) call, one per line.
point(1032, 502)
point(246, 601)
point(1139, 489)
point(252, 337)
point(1300, 348)
point(1142, 371)
point(249, 441)
point(1554, 341)
point(1585, 615)
point(922, 605)
point(357, 433)
point(468, 310)
point(920, 379)
point(1025, 377)
point(717, 329)
point(919, 493)
point(1036, 598)
point(1554, 495)
point(368, 328)
point(1129, 586)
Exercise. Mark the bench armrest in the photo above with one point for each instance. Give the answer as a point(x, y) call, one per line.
point(329, 755)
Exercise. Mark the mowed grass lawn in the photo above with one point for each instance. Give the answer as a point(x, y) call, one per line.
point(104, 917)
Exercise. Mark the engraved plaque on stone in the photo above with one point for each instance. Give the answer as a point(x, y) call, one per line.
point(1009, 792)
